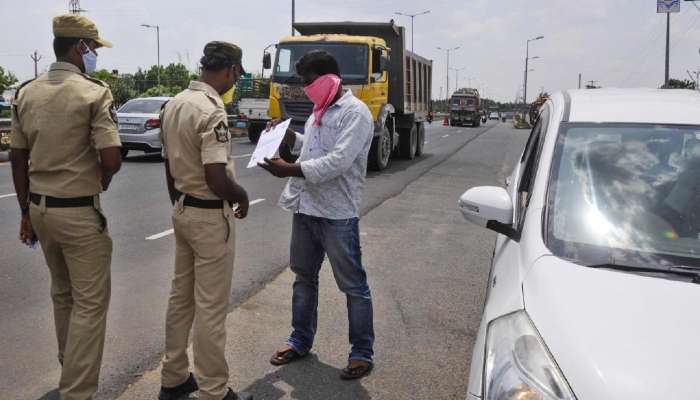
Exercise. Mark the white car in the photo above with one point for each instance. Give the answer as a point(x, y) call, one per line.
point(593, 292)
point(494, 115)
point(139, 124)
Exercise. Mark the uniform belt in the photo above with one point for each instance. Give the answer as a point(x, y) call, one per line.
point(190, 201)
point(57, 202)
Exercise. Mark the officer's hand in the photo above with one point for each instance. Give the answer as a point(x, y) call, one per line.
point(242, 210)
point(26, 231)
point(106, 180)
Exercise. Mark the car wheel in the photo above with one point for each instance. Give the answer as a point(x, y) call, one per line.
point(380, 151)
point(124, 152)
point(421, 139)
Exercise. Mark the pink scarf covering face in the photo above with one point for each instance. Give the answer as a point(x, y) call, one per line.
point(322, 92)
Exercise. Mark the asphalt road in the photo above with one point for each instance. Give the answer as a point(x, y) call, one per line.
point(139, 218)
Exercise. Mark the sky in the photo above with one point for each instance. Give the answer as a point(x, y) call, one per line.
point(619, 43)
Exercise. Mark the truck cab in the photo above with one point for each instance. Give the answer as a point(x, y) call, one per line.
point(394, 83)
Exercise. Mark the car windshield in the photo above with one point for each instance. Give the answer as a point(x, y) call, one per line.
point(627, 193)
point(352, 59)
point(150, 106)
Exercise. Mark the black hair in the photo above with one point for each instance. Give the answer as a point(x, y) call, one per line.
point(216, 62)
point(319, 62)
point(62, 45)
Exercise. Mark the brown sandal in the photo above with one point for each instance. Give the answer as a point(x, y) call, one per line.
point(357, 372)
point(285, 357)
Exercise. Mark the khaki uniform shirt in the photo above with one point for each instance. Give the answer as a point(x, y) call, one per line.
point(63, 118)
point(194, 132)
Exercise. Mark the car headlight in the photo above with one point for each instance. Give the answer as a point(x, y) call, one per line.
point(518, 365)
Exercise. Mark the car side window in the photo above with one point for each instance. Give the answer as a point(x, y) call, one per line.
point(529, 163)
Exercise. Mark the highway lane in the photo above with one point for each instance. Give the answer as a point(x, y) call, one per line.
point(137, 209)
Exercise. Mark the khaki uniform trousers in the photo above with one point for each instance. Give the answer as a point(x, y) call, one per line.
point(199, 299)
point(78, 251)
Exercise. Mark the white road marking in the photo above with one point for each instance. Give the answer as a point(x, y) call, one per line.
point(4, 164)
point(171, 231)
point(7, 195)
point(444, 136)
point(243, 155)
point(160, 235)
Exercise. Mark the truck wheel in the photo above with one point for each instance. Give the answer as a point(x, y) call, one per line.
point(408, 141)
point(421, 139)
point(254, 131)
point(380, 152)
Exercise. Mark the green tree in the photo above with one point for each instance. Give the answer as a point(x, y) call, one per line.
point(102, 74)
point(7, 79)
point(681, 84)
point(161, 91)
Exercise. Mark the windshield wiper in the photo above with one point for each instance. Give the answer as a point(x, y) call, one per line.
point(680, 270)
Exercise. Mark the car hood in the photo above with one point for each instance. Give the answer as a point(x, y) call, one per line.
point(617, 335)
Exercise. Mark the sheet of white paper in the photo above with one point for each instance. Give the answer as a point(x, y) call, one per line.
point(268, 143)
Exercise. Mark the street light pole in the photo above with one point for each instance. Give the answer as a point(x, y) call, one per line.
point(157, 28)
point(447, 70)
point(293, 12)
point(527, 59)
point(456, 70)
point(668, 54)
point(413, 84)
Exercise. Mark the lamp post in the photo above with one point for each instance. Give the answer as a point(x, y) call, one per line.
point(528, 58)
point(447, 70)
point(157, 28)
point(413, 84)
point(456, 71)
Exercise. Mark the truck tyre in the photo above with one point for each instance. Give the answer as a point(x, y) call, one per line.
point(421, 139)
point(254, 131)
point(408, 141)
point(380, 152)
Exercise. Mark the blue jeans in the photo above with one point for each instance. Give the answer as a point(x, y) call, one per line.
point(312, 238)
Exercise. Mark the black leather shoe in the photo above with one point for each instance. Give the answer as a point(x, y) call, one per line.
point(175, 393)
point(231, 395)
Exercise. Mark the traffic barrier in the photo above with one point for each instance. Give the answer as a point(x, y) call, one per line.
point(446, 121)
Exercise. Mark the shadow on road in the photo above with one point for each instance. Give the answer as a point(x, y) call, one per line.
point(308, 379)
point(152, 158)
point(52, 395)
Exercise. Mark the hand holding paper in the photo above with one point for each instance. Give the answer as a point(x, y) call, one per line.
point(269, 143)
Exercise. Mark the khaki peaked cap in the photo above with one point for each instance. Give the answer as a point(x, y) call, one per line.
point(77, 26)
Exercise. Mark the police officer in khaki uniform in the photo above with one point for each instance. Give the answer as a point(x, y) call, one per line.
point(65, 150)
point(202, 186)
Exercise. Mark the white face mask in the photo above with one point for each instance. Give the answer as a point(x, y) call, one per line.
point(89, 60)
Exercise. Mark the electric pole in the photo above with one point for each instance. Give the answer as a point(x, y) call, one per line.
point(668, 54)
point(695, 77)
point(74, 7)
point(579, 80)
point(447, 70)
point(35, 57)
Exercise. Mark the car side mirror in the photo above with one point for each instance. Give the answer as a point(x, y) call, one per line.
point(267, 61)
point(490, 207)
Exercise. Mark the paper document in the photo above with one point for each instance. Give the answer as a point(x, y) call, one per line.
point(269, 143)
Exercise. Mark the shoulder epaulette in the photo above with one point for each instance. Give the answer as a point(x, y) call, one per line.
point(23, 84)
point(95, 80)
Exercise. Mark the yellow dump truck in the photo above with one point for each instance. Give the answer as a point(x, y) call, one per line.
point(375, 64)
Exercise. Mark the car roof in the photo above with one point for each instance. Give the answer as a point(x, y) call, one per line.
point(661, 106)
point(161, 98)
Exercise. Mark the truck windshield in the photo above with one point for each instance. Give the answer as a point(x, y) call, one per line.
point(352, 59)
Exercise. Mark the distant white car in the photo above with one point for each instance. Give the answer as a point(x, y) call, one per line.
point(139, 124)
point(494, 115)
point(593, 292)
